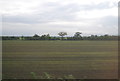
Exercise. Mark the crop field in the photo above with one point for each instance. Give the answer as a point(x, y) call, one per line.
point(82, 59)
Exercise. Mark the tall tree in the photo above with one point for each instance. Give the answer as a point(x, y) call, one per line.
point(77, 34)
point(36, 35)
point(62, 34)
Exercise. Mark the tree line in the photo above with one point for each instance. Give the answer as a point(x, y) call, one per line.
point(77, 36)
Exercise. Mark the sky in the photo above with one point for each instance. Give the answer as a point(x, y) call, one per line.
point(29, 17)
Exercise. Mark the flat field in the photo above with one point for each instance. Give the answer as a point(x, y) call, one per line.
point(82, 59)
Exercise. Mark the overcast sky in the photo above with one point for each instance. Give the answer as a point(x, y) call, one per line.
point(29, 17)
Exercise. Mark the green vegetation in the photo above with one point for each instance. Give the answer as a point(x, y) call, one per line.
point(81, 59)
point(62, 34)
point(77, 36)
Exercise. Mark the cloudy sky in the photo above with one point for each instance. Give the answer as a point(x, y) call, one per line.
point(29, 17)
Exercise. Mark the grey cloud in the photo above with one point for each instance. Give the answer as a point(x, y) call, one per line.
point(60, 12)
point(24, 19)
point(76, 7)
point(103, 5)
point(109, 21)
point(25, 29)
point(109, 24)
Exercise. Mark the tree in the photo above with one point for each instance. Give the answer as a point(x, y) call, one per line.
point(21, 38)
point(36, 35)
point(45, 37)
point(62, 34)
point(106, 35)
point(77, 35)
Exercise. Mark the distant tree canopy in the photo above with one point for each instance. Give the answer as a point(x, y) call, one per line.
point(62, 34)
point(45, 37)
point(77, 36)
point(36, 35)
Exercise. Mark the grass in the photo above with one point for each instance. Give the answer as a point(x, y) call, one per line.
point(82, 59)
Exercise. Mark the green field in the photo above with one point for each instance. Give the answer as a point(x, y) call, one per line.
point(82, 59)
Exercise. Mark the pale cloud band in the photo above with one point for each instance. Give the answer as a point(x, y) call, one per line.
point(27, 17)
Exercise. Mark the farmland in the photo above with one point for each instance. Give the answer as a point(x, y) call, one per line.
point(82, 59)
